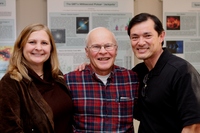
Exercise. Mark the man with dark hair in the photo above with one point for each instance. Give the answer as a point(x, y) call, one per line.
point(169, 93)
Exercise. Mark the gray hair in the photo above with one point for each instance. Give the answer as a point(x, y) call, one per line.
point(88, 35)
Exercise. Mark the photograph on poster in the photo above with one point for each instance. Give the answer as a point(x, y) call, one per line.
point(5, 53)
point(173, 23)
point(175, 47)
point(58, 35)
point(82, 25)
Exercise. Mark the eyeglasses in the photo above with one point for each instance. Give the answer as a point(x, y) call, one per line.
point(97, 48)
point(145, 79)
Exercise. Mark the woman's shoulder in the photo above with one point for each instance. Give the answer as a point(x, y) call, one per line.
point(7, 84)
point(7, 78)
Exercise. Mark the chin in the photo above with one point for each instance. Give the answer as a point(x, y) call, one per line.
point(141, 57)
point(104, 67)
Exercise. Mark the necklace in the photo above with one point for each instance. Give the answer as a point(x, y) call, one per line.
point(41, 75)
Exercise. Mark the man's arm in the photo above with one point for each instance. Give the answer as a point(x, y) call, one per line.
point(194, 128)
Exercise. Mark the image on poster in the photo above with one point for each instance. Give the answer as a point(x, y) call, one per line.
point(5, 53)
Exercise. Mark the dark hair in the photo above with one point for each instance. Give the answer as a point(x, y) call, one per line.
point(144, 17)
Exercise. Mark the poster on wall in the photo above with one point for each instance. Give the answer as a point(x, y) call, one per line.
point(71, 20)
point(182, 26)
point(7, 32)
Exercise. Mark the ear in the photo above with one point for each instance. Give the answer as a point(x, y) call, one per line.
point(86, 51)
point(116, 50)
point(162, 36)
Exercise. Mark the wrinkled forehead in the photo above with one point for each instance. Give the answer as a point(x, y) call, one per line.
point(101, 36)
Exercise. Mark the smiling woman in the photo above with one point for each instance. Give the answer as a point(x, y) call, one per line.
point(33, 85)
point(37, 50)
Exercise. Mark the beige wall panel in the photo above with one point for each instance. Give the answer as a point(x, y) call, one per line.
point(30, 11)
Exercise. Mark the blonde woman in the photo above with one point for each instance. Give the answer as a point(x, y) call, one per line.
point(33, 93)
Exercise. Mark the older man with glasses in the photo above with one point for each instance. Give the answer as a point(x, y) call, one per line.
point(103, 94)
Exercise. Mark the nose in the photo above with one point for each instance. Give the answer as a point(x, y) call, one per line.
point(141, 41)
point(102, 50)
point(38, 46)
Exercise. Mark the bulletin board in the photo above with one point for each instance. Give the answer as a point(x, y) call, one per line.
point(181, 20)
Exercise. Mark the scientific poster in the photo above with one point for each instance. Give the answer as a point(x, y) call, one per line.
point(70, 21)
point(7, 32)
point(182, 26)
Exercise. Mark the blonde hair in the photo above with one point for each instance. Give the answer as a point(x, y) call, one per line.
point(17, 63)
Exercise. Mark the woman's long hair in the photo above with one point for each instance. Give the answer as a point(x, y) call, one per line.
point(17, 63)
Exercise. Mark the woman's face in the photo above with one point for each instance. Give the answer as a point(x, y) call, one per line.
point(37, 48)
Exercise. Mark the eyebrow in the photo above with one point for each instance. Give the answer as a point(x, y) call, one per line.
point(145, 33)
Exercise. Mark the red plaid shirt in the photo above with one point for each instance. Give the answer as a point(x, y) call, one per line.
point(103, 108)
